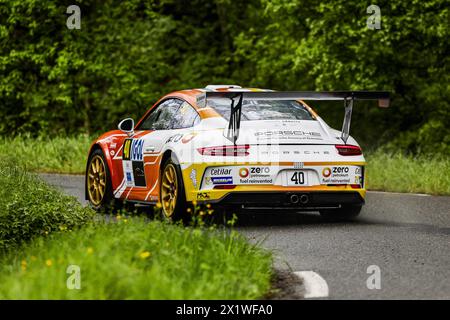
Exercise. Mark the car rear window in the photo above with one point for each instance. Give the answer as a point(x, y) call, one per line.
point(263, 109)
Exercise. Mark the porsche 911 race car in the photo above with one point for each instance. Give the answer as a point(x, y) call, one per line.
point(232, 147)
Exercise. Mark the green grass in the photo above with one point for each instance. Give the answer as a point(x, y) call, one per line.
point(29, 207)
point(43, 232)
point(387, 172)
point(400, 173)
point(138, 259)
point(58, 154)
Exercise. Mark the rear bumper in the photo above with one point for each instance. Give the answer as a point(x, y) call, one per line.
point(290, 200)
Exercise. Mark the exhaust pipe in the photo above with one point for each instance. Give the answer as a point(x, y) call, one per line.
point(294, 199)
point(304, 198)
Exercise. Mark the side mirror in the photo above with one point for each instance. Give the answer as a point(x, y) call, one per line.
point(127, 126)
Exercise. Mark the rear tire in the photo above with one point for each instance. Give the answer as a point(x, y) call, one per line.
point(171, 193)
point(345, 213)
point(98, 184)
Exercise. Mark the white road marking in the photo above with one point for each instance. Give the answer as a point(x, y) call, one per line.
point(315, 285)
point(401, 193)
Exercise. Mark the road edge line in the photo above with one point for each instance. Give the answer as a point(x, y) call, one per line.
point(315, 286)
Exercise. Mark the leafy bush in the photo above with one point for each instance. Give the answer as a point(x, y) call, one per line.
point(29, 207)
point(128, 53)
point(139, 259)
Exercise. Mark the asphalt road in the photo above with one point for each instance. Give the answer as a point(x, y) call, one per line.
point(406, 236)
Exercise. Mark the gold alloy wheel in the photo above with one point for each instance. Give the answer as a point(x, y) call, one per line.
point(96, 180)
point(169, 190)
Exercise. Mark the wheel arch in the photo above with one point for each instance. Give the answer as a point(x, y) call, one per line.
point(169, 153)
point(97, 146)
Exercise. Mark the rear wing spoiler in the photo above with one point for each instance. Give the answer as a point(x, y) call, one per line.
point(238, 96)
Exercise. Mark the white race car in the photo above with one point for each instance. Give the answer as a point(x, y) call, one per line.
point(232, 147)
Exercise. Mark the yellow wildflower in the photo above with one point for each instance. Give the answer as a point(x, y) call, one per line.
point(144, 255)
point(90, 250)
point(48, 262)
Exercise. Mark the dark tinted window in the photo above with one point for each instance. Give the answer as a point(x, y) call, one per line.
point(161, 117)
point(264, 109)
point(185, 117)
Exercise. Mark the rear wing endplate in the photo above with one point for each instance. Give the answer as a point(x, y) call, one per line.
point(237, 97)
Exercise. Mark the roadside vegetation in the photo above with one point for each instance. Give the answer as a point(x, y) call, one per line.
point(400, 173)
point(29, 207)
point(43, 232)
point(386, 171)
point(58, 154)
point(138, 259)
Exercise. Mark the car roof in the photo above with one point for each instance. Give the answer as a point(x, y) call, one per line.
point(190, 95)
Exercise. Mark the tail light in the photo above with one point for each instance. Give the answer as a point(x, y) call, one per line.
point(236, 151)
point(348, 150)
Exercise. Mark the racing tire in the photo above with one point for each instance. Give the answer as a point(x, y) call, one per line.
point(171, 193)
point(98, 184)
point(345, 213)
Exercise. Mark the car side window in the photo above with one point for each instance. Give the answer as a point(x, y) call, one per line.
point(185, 117)
point(162, 117)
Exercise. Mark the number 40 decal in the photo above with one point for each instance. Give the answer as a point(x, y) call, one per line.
point(298, 177)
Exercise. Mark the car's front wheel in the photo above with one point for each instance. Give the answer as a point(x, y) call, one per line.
point(172, 196)
point(98, 184)
point(342, 214)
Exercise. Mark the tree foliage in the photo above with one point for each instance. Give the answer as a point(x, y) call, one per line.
point(129, 53)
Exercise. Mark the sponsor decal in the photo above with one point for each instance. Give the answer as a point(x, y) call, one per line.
point(126, 149)
point(259, 170)
point(340, 175)
point(220, 171)
point(138, 173)
point(222, 180)
point(243, 172)
point(289, 134)
point(132, 149)
point(129, 178)
point(133, 162)
point(326, 172)
point(338, 170)
point(203, 196)
point(174, 138)
point(112, 153)
point(128, 171)
point(256, 175)
point(358, 170)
